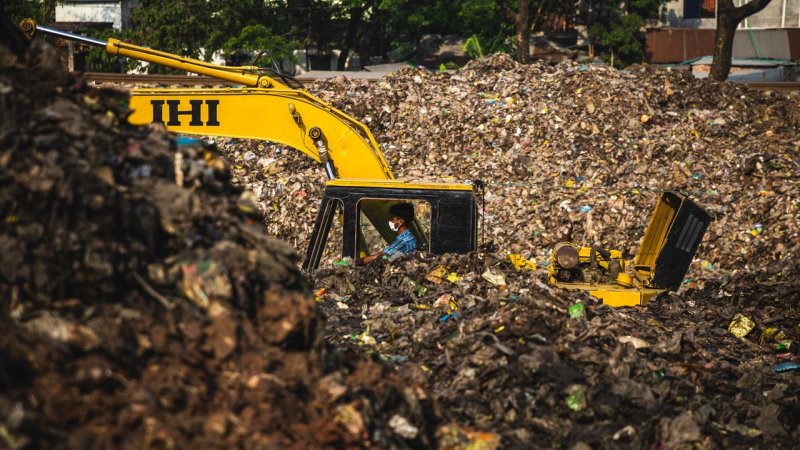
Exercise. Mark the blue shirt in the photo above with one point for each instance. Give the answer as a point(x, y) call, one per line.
point(404, 243)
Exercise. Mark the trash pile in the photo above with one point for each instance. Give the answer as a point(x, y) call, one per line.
point(144, 307)
point(537, 367)
point(578, 153)
point(569, 152)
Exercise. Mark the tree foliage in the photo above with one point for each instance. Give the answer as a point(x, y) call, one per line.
point(406, 21)
point(485, 21)
point(621, 37)
point(198, 28)
point(38, 10)
point(259, 41)
point(183, 27)
point(618, 31)
point(247, 28)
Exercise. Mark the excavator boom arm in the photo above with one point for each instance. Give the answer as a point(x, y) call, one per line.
point(290, 117)
point(264, 109)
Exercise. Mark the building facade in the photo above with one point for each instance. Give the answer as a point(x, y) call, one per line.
point(685, 31)
point(115, 13)
point(702, 14)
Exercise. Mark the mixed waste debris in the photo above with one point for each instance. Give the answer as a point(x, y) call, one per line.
point(145, 306)
point(541, 367)
point(570, 153)
point(576, 153)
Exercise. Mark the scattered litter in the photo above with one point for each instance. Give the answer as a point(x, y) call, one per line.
point(576, 399)
point(576, 311)
point(635, 341)
point(741, 325)
point(521, 263)
point(786, 367)
point(495, 277)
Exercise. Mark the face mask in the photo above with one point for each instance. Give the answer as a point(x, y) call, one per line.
point(392, 226)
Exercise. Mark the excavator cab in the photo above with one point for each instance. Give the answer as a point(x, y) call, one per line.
point(670, 242)
point(451, 209)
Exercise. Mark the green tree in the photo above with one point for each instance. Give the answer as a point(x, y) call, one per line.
point(497, 25)
point(256, 26)
point(259, 40)
point(183, 27)
point(621, 37)
point(728, 18)
point(519, 15)
point(485, 20)
point(409, 20)
point(42, 12)
point(198, 28)
point(619, 31)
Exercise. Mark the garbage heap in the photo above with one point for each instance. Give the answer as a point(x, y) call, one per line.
point(537, 367)
point(580, 153)
point(142, 304)
point(569, 152)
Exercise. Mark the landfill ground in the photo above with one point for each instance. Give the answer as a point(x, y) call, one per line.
point(148, 302)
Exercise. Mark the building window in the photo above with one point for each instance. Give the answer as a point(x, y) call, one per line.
point(699, 9)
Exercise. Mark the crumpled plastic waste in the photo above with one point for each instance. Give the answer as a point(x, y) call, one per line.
point(741, 325)
point(495, 277)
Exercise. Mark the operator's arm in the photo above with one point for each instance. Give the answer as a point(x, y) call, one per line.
point(369, 259)
point(393, 248)
point(404, 243)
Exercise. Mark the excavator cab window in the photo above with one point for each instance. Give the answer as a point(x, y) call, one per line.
point(446, 219)
point(373, 238)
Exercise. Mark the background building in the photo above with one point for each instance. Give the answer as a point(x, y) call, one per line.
point(116, 14)
point(685, 31)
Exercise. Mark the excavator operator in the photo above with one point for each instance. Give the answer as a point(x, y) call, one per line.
point(402, 215)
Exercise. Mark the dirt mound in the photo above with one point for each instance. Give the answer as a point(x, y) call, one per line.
point(143, 305)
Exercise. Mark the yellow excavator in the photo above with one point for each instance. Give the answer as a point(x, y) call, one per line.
point(361, 187)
